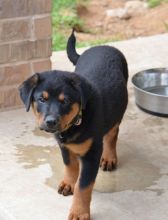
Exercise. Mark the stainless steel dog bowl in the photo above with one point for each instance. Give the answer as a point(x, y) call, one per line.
point(151, 90)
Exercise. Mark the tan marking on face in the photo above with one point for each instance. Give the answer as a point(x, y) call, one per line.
point(67, 119)
point(81, 148)
point(38, 115)
point(45, 95)
point(61, 97)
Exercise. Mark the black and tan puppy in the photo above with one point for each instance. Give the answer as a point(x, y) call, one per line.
point(84, 110)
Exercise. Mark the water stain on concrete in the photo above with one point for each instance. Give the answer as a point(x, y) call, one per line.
point(164, 141)
point(159, 192)
point(23, 123)
point(26, 126)
point(37, 132)
point(32, 156)
point(131, 116)
point(153, 121)
point(133, 173)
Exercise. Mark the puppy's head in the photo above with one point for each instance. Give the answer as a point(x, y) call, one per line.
point(56, 98)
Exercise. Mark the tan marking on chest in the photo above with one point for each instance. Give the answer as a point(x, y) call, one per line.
point(81, 148)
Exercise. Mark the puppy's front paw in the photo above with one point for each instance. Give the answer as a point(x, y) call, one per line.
point(65, 189)
point(78, 216)
point(79, 211)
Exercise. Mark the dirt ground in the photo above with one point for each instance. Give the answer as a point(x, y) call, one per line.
point(152, 21)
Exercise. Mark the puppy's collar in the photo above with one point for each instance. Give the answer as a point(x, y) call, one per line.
point(78, 119)
point(75, 122)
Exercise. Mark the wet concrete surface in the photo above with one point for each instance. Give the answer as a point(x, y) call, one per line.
point(31, 165)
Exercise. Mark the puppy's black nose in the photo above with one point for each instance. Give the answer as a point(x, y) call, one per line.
point(51, 122)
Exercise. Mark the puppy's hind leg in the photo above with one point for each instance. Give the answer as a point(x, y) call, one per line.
point(109, 159)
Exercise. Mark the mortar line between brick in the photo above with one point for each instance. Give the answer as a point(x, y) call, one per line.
point(25, 62)
point(32, 29)
point(23, 41)
point(7, 87)
point(5, 109)
point(31, 67)
point(26, 17)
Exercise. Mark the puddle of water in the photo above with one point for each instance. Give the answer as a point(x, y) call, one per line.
point(133, 173)
point(31, 156)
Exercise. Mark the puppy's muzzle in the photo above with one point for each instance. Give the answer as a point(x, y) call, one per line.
point(50, 124)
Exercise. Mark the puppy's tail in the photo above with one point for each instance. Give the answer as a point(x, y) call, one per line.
point(71, 51)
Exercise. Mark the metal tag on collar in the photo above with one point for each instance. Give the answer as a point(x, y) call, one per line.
point(78, 121)
point(62, 138)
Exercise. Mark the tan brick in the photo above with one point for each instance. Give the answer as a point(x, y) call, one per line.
point(4, 53)
point(39, 6)
point(40, 66)
point(19, 8)
point(14, 30)
point(21, 51)
point(27, 50)
point(14, 74)
point(9, 97)
point(10, 9)
point(42, 48)
point(42, 27)
point(34, 55)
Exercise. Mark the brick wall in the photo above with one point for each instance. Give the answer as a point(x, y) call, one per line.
point(25, 45)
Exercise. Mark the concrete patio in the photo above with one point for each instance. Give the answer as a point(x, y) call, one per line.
point(30, 162)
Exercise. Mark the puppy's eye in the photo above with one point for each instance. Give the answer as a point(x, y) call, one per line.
point(42, 100)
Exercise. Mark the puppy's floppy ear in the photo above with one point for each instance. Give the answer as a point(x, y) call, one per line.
point(83, 87)
point(27, 88)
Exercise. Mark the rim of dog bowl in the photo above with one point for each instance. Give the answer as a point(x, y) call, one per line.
point(156, 70)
